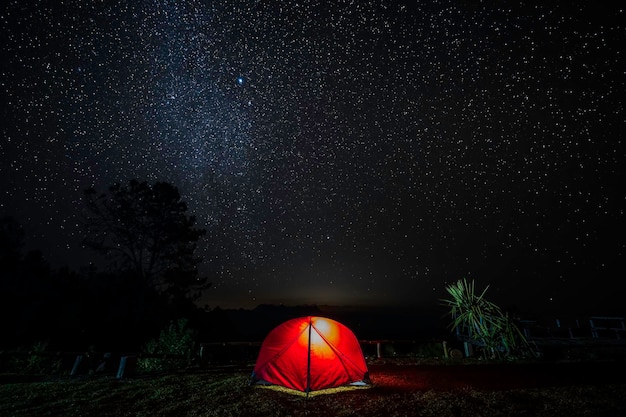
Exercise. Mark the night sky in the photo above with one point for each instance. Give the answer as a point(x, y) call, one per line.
point(344, 152)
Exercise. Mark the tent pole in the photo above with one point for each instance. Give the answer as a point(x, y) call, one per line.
point(308, 362)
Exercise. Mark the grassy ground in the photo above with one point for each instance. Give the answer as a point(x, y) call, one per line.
point(397, 391)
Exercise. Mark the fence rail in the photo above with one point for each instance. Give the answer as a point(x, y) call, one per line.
point(208, 355)
point(595, 330)
point(595, 327)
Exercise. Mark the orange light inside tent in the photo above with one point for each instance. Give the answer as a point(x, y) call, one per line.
point(324, 329)
point(303, 330)
point(321, 329)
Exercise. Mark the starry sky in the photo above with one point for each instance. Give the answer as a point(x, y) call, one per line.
point(344, 152)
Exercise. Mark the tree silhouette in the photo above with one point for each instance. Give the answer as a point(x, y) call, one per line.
point(11, 240)
point(144, 231)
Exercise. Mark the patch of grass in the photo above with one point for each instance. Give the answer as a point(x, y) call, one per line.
point(326, 391)
point(228, 394)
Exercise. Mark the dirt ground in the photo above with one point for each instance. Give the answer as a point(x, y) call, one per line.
point(496, 377)
point(546, 389)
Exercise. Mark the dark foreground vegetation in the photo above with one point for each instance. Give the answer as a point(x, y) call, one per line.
point(539, 389)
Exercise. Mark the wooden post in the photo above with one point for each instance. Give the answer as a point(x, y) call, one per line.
point(126, 365)
point(122, 367)
point(77, 363)
point(378, 350)
point(594, 332)
point(469, 351)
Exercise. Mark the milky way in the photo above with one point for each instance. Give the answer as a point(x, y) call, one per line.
point(350, 152)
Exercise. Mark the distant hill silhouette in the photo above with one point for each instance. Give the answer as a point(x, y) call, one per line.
point(368, 323)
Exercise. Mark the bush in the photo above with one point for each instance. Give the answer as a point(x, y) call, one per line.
point(429, 350)
point(37, 361)
point(176, 339)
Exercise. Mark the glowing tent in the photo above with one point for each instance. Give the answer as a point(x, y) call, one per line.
point(310, 353)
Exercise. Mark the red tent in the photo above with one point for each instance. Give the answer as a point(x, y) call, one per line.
point(310, 353)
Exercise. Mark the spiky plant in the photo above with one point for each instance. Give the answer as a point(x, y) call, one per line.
point(483, 321)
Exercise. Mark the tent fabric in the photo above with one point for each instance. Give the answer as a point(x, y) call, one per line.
point(310, 353)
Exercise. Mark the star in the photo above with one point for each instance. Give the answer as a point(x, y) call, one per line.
point(365, 143)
